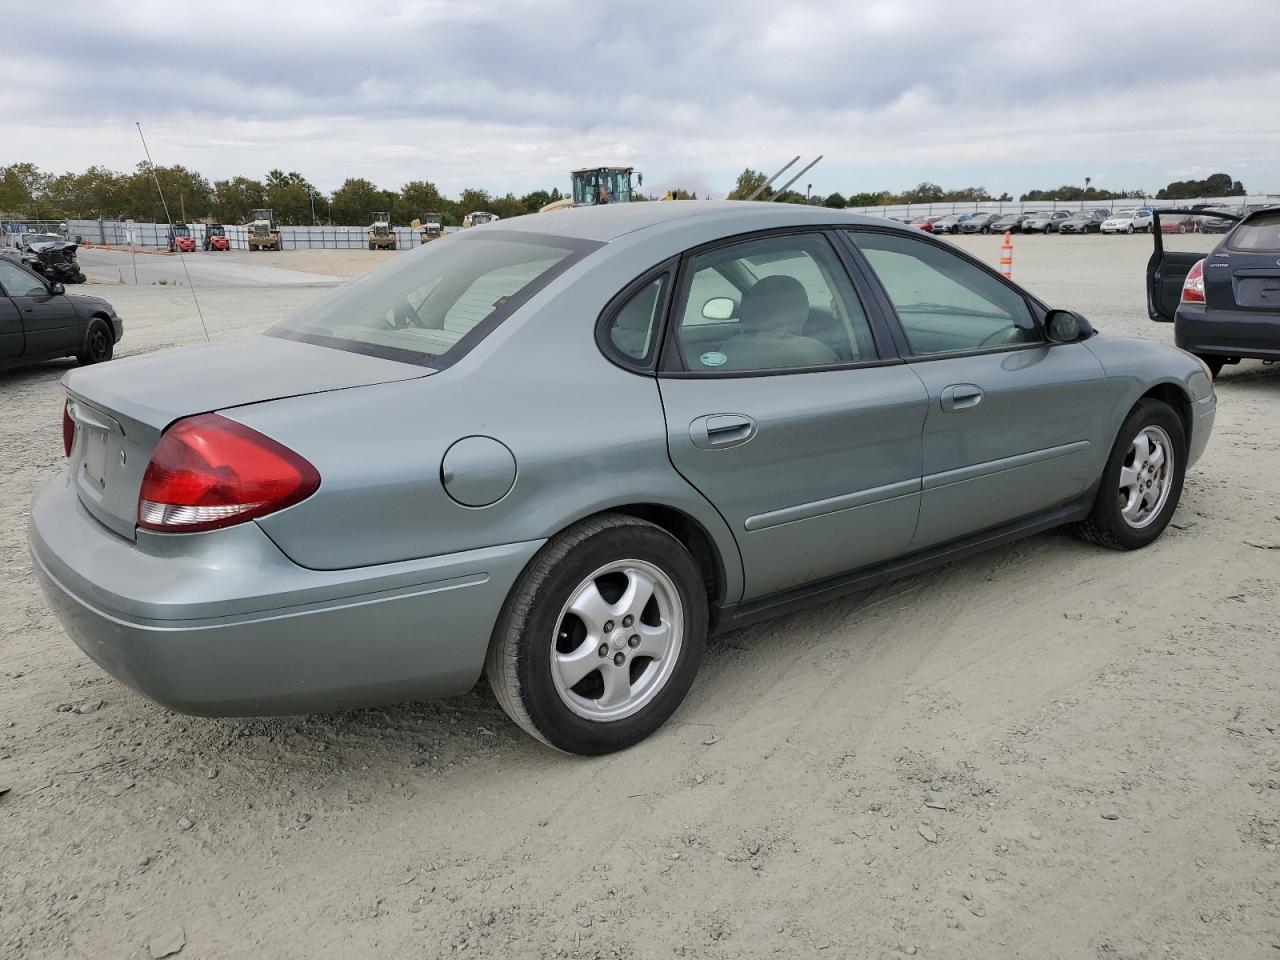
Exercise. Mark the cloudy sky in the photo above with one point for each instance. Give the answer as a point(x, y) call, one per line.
point(511, 94)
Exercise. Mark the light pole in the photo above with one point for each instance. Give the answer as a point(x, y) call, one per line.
point(807, 191)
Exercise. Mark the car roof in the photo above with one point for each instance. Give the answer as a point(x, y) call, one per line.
point(606, 222)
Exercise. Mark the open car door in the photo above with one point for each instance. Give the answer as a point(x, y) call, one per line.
point(1182, 237)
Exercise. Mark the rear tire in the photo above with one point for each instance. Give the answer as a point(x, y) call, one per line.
point(545, 663)
point(99, 344)
point(1142, 481)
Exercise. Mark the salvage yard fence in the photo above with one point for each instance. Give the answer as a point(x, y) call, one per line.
point(124, 233)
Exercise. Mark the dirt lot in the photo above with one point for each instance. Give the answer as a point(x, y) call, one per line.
point(1049, 751)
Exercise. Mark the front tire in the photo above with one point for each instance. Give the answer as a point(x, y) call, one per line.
point(1142, 481)
point(601, 637)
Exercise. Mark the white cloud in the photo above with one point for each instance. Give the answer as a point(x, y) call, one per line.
point(511, 95)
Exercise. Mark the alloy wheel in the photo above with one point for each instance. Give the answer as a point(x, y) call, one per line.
point(1146, 477)
point(617, 640)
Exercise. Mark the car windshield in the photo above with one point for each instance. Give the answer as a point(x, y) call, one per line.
point(1259, 234)
point(435, 304)
point(1124, 215)
point(30, 238)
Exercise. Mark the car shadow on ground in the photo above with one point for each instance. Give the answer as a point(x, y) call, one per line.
point(358, 749)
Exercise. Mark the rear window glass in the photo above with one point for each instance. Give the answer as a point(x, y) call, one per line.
point(433, 304)
point(1260, 233)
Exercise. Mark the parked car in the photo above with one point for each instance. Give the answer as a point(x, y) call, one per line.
point(1127, 221)
point(979, 223)
point(950, 223)
point(1181, 223)
point(1224, 306)
point(1045, 222)
point(1084, 221)
point(1223, 219)
point(924, 222)
point(39, 320)
point(273, 526)
point(1012, 222)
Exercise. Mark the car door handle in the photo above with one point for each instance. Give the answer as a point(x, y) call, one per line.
point(719, 430)
point(961, 396)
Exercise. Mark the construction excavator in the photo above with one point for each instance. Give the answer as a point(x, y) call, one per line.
point(430, 227)
point(381, 236)
point(596, 185)
point(263, 232)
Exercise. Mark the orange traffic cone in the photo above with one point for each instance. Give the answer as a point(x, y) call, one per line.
point(1006, 255)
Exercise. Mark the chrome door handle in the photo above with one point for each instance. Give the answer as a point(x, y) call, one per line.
point(961, 396)
point(720, 430)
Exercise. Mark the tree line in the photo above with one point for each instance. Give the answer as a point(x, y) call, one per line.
point(26, 192)
point(1217, 185)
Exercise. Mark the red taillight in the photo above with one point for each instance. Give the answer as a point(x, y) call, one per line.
point(68, 429)
point(208, 472)
point(1193, 286)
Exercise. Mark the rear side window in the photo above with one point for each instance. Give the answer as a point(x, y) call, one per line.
point(633, 330)
point(1259, 234)
point(431, 306)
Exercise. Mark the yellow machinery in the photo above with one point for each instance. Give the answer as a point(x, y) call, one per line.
point(381, 236)
point(596, 185)
point(430, 227)
point(264, 232)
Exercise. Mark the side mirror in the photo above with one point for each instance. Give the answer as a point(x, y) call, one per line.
point(718, 308)
point(58, 289)
point(1063, 326)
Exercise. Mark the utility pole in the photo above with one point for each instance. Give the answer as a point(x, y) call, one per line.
point(182, 205)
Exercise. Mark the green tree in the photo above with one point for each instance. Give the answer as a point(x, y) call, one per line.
point(356, 200)
point(20, 185)
point(535, 201)
point(1215, 185)
point(835, 200)
point(234, 198)
point(508, 207)
point(418, 198)
point(749, 181)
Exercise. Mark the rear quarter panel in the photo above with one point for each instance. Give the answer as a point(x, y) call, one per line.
point(586, 436)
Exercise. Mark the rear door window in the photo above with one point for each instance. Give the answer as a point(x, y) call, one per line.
point(432, 305)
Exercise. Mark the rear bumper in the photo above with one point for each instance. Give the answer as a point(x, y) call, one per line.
point(222, 623)
point(1227, 333)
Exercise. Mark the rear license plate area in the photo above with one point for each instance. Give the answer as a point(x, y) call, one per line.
point(95, 456)
point(1258, 292)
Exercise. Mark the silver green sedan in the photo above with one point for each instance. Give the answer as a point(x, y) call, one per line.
point(561, 450)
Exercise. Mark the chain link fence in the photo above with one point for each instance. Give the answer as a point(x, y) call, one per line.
point(125, 233)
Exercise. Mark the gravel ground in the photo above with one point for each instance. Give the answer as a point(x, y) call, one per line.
point(1048, 751)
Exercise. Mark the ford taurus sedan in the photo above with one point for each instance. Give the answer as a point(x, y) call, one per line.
point(562, 451)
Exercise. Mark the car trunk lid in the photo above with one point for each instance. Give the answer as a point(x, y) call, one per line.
point(121, 409)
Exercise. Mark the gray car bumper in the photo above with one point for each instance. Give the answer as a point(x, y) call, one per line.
point(223, 623)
